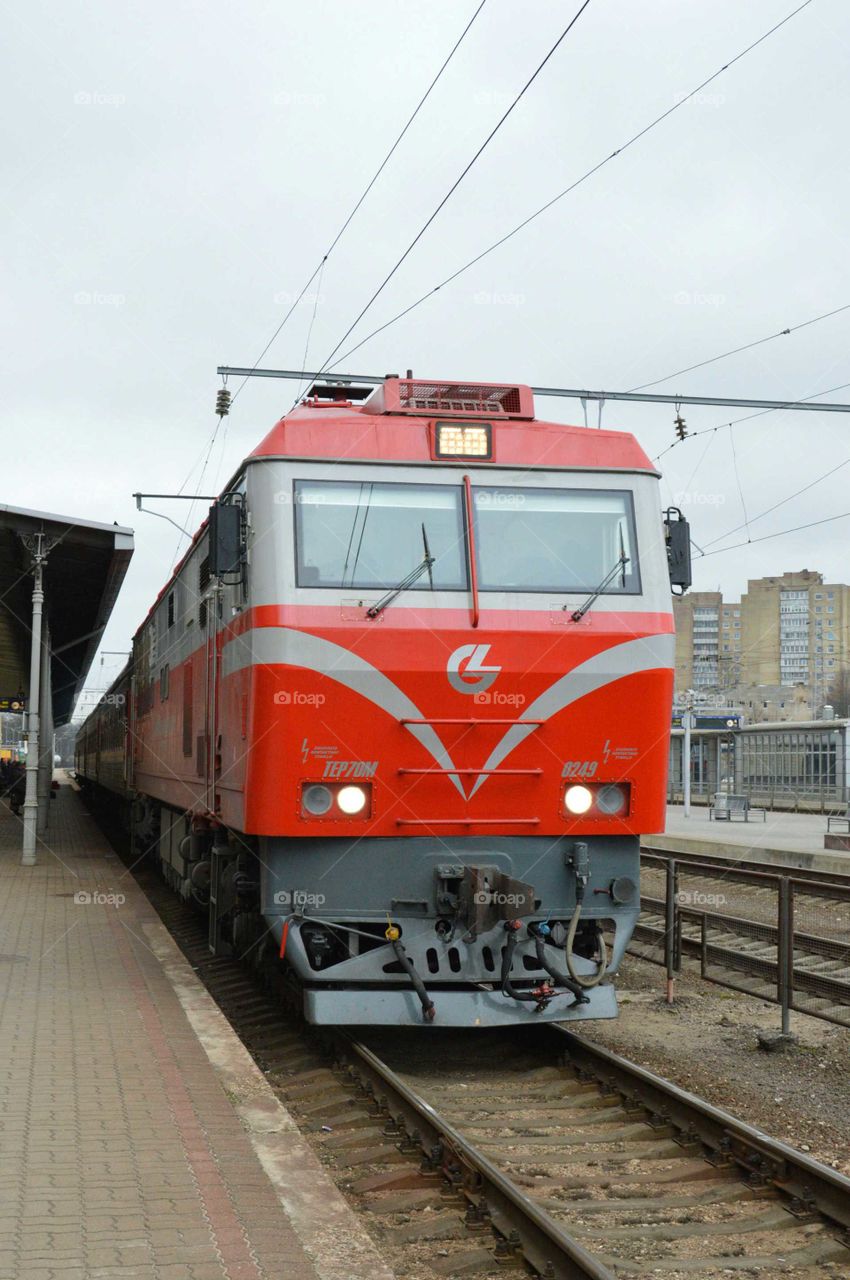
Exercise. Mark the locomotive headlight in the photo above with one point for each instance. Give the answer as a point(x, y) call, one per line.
point(578, 799)
point(611, 800)
point(317, 799)
point(351, 799)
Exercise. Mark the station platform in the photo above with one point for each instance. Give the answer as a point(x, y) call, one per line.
point(787, 839)
point(139, 1139)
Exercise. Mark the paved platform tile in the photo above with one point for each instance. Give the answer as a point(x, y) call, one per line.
point(123, 1158)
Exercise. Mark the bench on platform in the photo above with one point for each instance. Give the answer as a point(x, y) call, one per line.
point(728, 806)
point(838, 817)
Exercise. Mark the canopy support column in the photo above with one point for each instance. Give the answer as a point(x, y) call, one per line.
point(39, 546)
point(45, 735)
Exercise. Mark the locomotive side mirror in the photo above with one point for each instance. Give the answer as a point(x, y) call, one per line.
point(677, 536)
point(225, 539)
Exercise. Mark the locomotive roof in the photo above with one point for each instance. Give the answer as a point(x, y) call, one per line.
point(392, 427)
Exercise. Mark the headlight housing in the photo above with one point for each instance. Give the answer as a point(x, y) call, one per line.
point(340, 802)
point(596, 800)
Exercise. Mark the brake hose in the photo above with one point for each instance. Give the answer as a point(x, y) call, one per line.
point(429, 1010)
point(568, 950)
point(581, 864)
point(540, 933)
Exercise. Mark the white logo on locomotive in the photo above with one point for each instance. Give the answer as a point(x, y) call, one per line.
point(466, 670)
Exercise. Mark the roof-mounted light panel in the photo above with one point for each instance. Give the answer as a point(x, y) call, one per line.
point(463, 440)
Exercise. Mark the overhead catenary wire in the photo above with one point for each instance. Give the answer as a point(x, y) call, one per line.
point(375, 176)
point(319, 269)
point(702, 457)
point(326, 364)
point(532, 217)
point(796, 494)
point(312, 322)
point(183, 531)
point(781, 533)
point(748, 346)
point(787, 404)
point(738, 478)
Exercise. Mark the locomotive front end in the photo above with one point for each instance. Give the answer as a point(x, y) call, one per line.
point(454, 678)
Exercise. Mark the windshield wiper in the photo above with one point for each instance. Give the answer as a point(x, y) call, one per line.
point(425, 566)
point(619, 567)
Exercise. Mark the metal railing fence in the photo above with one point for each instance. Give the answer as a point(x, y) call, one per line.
point(774, 935)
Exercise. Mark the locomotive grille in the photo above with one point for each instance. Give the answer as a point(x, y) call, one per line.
point(458, 397)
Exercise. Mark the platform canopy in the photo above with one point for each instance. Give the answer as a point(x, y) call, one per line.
point(85, 566)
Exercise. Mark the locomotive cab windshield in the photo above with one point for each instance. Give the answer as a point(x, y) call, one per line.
point(369, 534)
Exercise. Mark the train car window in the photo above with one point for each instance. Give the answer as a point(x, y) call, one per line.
point(372, 534)
point(203, 584)
point(554, 539)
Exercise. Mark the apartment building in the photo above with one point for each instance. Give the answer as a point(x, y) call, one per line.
point(777, 650)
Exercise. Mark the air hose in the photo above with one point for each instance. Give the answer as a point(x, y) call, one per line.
point(511, 927)
point(568, 951)
point(542, 994)
point(580, 862)
point(429, 1009)
point(540, 933)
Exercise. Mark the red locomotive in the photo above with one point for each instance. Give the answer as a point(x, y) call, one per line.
point(401, 714)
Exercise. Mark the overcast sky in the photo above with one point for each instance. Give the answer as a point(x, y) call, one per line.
point(173, 173)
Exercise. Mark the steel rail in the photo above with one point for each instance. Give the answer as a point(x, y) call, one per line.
point(524, 1225)
point(819, 986)
point(813, 943)
point(742, 870)
point(524, 1229)
point(809, 1185)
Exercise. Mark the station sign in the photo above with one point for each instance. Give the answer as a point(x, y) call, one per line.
point(710, 720)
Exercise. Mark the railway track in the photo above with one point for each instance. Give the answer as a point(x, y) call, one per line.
point(740, 946)
point(534, 1152)
point(739, 941)
point(741, 867)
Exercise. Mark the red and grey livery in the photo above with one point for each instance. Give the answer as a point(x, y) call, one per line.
point(401, 715)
